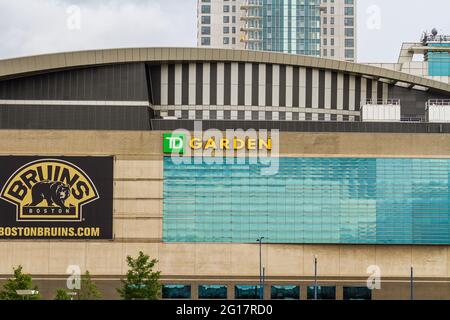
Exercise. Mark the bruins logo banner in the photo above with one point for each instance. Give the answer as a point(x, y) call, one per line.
point(62, 198)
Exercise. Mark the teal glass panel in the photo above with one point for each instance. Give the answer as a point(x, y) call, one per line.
point(285, 292)
point(309, 200)
point(247, 292)
point(323, 293)
point(212, 292)
point(176, 291)
point(439, 62)
point(357, 293)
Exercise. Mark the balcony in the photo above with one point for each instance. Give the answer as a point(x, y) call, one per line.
point(251, 29)
point(248, 18)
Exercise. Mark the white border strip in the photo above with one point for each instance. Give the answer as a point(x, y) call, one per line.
point(75, 103)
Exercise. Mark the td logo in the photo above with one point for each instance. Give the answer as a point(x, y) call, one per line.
point(174, 143)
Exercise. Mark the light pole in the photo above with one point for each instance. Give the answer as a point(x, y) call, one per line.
point(261, 289)
point(411, 283)
point(315, 277)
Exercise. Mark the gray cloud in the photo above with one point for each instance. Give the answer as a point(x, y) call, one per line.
point(401, 21)
point(40, 26)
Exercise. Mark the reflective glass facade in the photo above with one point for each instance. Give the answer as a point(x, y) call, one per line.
point(439, 62)
point(175, 291)
point(357, 293)
point(309, 200)
point(212, 292)
point(247, 292)
point(285, 292)
point(291, 26)
point(323, 293)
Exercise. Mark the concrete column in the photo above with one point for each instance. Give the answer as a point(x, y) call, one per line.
point(194, 291)
point(339, 292)
point(303, 292)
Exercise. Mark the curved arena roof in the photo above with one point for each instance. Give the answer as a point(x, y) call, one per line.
point(17, 67)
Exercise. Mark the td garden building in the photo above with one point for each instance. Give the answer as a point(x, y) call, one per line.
point(191, 155)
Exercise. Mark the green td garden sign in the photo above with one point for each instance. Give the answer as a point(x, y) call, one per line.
point(174, 143)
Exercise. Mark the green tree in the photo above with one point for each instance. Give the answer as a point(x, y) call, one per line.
point(141, 282)
point(61, 294)
point(88, 290)
point(20, 281)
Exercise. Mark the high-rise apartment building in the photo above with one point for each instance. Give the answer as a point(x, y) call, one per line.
point(219, 24)
point(338, 29)
point(308, 27)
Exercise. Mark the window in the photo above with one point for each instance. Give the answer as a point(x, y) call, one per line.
point(349, 22)
point(324, 31)
point(349, 11)
point(325, 41)
point(285, 292)
point(226, 40)
point(332, 10)
point(206, 30)
point(233, 40)
point(212, 292)
point(332, 20)
point(332, 41)
point(323, 293)
point(349, 53)
point(206, 41)
point(206, 9)
point(233, 19)
point(233, 30)
point(349, 43)
point(332, 31)
point(325, 20)
point(349, 32)
point(206, 19)
point(175, 291)
point(348, 1)
point(226, 8)
point(332, 52)
point(226, 30)
point(357, 293)
point(226, 19)
point(247, 292)
point(325, 53)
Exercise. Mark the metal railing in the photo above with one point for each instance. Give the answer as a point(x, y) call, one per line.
point(438, 102)
point(438, 38)
point(413, 118)
point(394, 102)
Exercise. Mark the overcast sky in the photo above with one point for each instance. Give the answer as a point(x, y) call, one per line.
point(41, 26)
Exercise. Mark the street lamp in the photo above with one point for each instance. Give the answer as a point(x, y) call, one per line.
point(315, 277)
point(261, 289)
point(411, 283)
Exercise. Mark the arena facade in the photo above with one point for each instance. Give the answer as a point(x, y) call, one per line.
point(86, 178)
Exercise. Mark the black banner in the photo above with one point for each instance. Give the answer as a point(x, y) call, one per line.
point(56, 197)
point(275, 309)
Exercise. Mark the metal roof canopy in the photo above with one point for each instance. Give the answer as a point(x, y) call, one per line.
point(23, 66)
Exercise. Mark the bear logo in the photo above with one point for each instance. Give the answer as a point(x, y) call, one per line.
point(52, 192)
